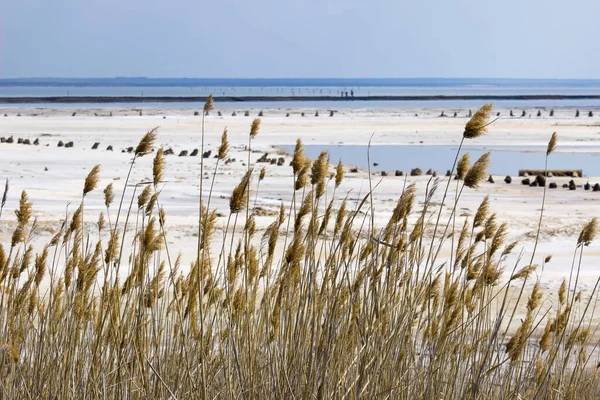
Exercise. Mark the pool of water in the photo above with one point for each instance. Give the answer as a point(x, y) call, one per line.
point(504, 160)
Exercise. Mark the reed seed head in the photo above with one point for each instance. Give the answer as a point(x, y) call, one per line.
point(302, 177)
point(478, 123)
point(158, 166)
point(108, 195)
point(224, 147)
point(551, 144)
point(535, 297)
point(144, 196)
point(477, 173)
point(254, 128)
point(209, 105)
point(562, 292)
point(24, 212)
point(40, 266)
point(92, 180)
point(482, 211)
point(145, 145)
point(240, 194)
point(524, 272)
point(261, 175)
point(101, 223)
point(298, 158)
point(463, 166)
point(588, 233)
point(319, 174)
point(339, 174)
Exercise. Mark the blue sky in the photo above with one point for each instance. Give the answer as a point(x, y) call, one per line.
point(306, 39)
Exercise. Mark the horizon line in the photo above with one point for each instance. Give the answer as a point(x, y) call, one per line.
point(295, 78)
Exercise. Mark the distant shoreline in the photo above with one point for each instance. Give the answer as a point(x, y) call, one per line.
point(241, 99)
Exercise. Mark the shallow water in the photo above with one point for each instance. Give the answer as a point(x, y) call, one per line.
point(504, 160)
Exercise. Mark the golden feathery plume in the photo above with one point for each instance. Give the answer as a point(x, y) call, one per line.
point(24, 212)
point(298, 158)
point(339, 174)
point(535, 297)
point(92, 180)
point(40, 266)
point(108, 195)
point(101, 223)
point(145, 145)
point(478, 123)
point(158, 166)
point(224, 147)
point(302, 178)
point(210, 104)
point(551, 144)
point(498, 239)
point(240, 194)
point(463, 166)
point(112, 249)
point(18, 236)
point(261, 175)
point(482, 211)
point(339, 220)
point(477, 173)
point(254, 127)
point(588, 233)
point(144, 196)
point(76, 220)
point(508, 249)
point(151, 204)
point(562, 291)
point(319, 173)
point(325, 221)
point(162, 216)
point(490, 226)
point(524, 272)
point(250, 225)
point(546, 336)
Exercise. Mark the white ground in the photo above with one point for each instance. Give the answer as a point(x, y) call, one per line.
point(53, 190)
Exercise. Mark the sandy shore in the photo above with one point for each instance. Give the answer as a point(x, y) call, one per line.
point(58, 188)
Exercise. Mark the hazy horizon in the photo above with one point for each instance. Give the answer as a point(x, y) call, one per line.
point(292, 78)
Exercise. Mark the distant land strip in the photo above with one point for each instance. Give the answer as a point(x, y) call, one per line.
point(241, 99)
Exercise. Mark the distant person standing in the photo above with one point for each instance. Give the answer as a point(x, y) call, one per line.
point(352, 93)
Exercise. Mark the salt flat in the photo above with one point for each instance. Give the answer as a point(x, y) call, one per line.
point(57, 190)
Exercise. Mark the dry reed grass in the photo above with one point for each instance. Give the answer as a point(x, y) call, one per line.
point(346, 311)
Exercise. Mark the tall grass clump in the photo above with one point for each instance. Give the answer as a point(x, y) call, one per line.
point(323, 303)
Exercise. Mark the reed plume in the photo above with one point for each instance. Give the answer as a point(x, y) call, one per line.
point(463, 166)
point(477, 173)
point(588, 233)
point(254, 128)
point(91, 180)
point(551, 144)
point(108, 195)
point(240, 194)
point(209, 105)
point(339, 174)
point(477, 125)
point(145, 145)
point(319, 174)
point(224, 147)
point(158, 166)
